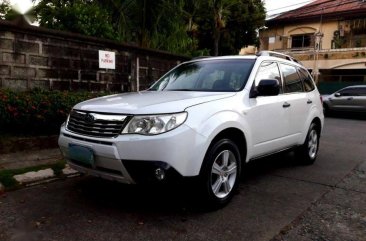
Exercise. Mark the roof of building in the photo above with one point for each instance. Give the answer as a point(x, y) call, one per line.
point(325, 8)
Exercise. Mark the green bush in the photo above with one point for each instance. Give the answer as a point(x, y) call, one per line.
point(37, 112)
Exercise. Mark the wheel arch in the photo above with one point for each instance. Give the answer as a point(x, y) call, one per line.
point(235, 135)
point(318, 124)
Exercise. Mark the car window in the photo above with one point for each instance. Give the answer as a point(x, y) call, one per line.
point(291, 80)
point(211, 75)
point(268, 70)
point(209, 80)
point(356, 91)
point(360, 91)
point(306, 78)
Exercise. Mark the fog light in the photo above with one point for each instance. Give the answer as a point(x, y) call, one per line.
point(159, 173)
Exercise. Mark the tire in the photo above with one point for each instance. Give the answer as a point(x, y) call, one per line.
point(219, 177)
point(308, 152)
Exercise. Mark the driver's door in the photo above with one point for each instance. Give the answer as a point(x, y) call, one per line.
point(269, 120)
point(343, 99)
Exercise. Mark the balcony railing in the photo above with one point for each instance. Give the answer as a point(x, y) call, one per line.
point(347, 42)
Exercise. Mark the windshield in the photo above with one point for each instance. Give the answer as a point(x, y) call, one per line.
point(209, 75)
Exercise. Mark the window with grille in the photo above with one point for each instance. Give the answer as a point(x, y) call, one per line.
point(302, 41)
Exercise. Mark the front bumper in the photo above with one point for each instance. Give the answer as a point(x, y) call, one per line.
point(134, 158)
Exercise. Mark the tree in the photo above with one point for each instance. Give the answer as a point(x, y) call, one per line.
point(80, 16)
point(220, 11)
point(242, 26)
point(121, 12)
point(179, 26)
point(12, 13)
point(153, 24)
point(227, 25)
point(4, 9)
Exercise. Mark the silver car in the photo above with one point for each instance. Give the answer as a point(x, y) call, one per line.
point(351, 98)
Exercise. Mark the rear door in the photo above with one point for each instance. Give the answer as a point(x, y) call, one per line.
point(296, 100)
point(359, 98)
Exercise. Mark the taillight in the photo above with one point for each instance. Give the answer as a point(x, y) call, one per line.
point(321, 99)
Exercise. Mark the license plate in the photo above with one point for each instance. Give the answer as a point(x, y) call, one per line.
point(81, 153)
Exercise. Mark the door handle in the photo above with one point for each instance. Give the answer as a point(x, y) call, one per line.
point(350, 98)
point(286, 105)
point(309, 102)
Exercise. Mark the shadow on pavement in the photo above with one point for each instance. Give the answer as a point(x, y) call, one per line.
point(347, 115)
point(168, 197)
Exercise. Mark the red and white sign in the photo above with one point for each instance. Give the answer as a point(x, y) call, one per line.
point(107, 60)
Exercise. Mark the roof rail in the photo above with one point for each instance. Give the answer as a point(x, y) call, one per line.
point(278, 55)
point(201, 57)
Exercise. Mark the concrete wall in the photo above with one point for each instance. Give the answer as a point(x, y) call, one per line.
point(33, 57)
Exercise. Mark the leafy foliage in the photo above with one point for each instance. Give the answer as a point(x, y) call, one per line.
point(81, 16)
point(180, 26)
point(225, 26)
point(37, 111)
point(4, 8)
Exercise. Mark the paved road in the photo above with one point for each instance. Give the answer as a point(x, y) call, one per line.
point(277, 200)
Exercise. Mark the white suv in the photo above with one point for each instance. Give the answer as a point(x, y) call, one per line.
point(205, 118)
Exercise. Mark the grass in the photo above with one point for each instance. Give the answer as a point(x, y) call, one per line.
point(7, 179)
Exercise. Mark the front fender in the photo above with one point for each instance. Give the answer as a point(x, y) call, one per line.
point(213, 123)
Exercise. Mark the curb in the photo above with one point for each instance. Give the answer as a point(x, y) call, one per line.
point(48, 176)
point(41, 176)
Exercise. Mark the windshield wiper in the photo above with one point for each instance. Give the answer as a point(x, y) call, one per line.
point(181, 90)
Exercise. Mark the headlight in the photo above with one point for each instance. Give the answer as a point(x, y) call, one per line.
point(154, 124)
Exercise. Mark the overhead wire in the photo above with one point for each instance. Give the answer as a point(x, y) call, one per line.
point(336, 4)
point(288, 6)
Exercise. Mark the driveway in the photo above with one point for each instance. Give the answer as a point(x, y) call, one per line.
point(277, 200)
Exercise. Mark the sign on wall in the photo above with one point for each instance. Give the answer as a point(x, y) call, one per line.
point(107, 60)
point(271, 40)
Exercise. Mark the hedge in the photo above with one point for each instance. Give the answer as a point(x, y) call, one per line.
point(37, 112)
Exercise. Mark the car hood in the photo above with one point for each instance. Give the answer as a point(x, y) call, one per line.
point(150, 102)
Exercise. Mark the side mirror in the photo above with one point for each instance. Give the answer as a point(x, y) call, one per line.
point(267, 87)
point(337, 94)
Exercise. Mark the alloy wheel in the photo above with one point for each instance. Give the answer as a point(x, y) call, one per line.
point(223, 173)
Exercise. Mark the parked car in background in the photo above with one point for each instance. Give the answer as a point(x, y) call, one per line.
point(204, 120)
point(351, 98)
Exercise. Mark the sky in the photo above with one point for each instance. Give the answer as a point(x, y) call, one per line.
point(277, 6)
point(22, 6)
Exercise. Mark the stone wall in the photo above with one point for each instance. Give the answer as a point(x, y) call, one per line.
point(33, 57)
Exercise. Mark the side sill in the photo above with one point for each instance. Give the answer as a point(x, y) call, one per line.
point(291, 148)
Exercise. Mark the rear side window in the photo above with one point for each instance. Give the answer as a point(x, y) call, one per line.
point(291, 79)
point(361, 91)
point(306, 78)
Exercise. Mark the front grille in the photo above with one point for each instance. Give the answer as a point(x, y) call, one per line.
point(96, 124)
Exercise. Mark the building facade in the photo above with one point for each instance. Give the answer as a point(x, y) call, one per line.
point(327, 36)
